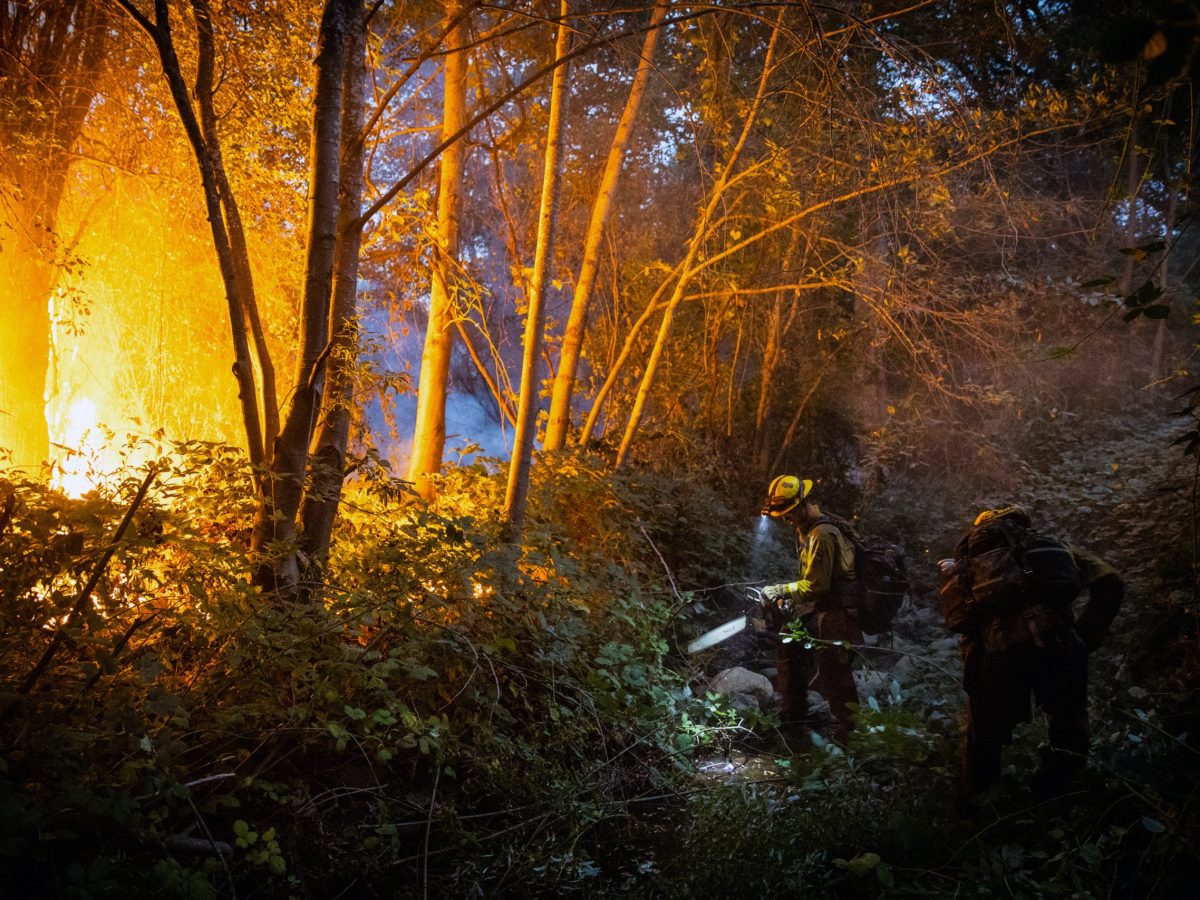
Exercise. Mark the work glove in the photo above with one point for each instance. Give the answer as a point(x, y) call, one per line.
point(776, 595)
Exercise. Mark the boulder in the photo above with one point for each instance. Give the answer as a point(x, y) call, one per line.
point(742, 681)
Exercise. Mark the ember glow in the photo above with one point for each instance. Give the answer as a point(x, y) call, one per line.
point(138, 342)
point(78, 449)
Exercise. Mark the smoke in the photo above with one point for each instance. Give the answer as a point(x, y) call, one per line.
point(762, 533)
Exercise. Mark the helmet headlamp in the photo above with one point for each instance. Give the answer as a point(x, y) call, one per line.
point(785, 494)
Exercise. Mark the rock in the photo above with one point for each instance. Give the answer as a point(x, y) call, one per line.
point(947, 646)
point(818, 708)
point(744, 702)
point(742, 681)
point(872, 683)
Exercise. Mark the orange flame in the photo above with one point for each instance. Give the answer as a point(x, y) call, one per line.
point(75, 471)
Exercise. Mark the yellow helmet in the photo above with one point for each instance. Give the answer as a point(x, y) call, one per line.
point(1014, 512)
point(785, 494)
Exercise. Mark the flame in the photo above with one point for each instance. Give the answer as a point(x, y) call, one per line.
point(138, 346)
point(75, 470)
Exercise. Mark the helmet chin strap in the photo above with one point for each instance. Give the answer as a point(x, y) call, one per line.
point(803, 514)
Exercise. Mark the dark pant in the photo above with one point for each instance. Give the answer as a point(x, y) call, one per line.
point(999, 686)
point(827, 670)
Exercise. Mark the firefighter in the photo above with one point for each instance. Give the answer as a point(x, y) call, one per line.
point(823, 599)
point(1037, 649)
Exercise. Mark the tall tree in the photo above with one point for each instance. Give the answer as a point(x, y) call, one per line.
point(429, 431)
point(285, 456)
point(197, 114)
point(727, 177)
point(572, 343)
point(527, 410)
point(330, 442)
point(275, 523)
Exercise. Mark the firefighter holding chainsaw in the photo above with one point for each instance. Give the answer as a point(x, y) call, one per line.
point(823, 599)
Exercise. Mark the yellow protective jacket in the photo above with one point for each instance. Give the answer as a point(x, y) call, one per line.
point(826, 566)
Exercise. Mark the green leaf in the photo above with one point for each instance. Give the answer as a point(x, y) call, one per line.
point(418, 671)
point(863, 863)
point(884, 873)
point(1146, 294)
point(1140, 253)
point(1097, 282)
point(1157, 311)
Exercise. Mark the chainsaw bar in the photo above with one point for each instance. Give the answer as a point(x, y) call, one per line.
point(718, 634)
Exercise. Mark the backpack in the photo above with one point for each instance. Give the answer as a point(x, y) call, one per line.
point(880, 578)
point(1003, 566)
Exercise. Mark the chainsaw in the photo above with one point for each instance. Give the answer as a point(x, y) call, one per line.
point(728, 630)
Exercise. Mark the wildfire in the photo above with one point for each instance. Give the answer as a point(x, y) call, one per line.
point(81, 444)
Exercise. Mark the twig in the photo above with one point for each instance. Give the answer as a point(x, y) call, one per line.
point(117, 648)
point(215, 847)
point(909, 654)
point(487, 837)
point(666, 568)
point(428, 828)
point(1020, 812)
point(85, 595)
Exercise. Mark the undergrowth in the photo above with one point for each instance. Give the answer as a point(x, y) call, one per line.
point(435, 727)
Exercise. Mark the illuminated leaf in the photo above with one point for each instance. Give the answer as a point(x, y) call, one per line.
point(863, 863)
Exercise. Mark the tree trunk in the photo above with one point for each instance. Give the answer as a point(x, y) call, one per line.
point(698, 238)
point(275, 524)
point(777, 330)
point(429, 431)
point(50, 59)
point(268, 403)
point(784, 444)
point(1133, 182)
point(772, 352)
point(518, 470)
point(328, 462)
point(568, 363)
point(24, 352)
point(159, 31)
